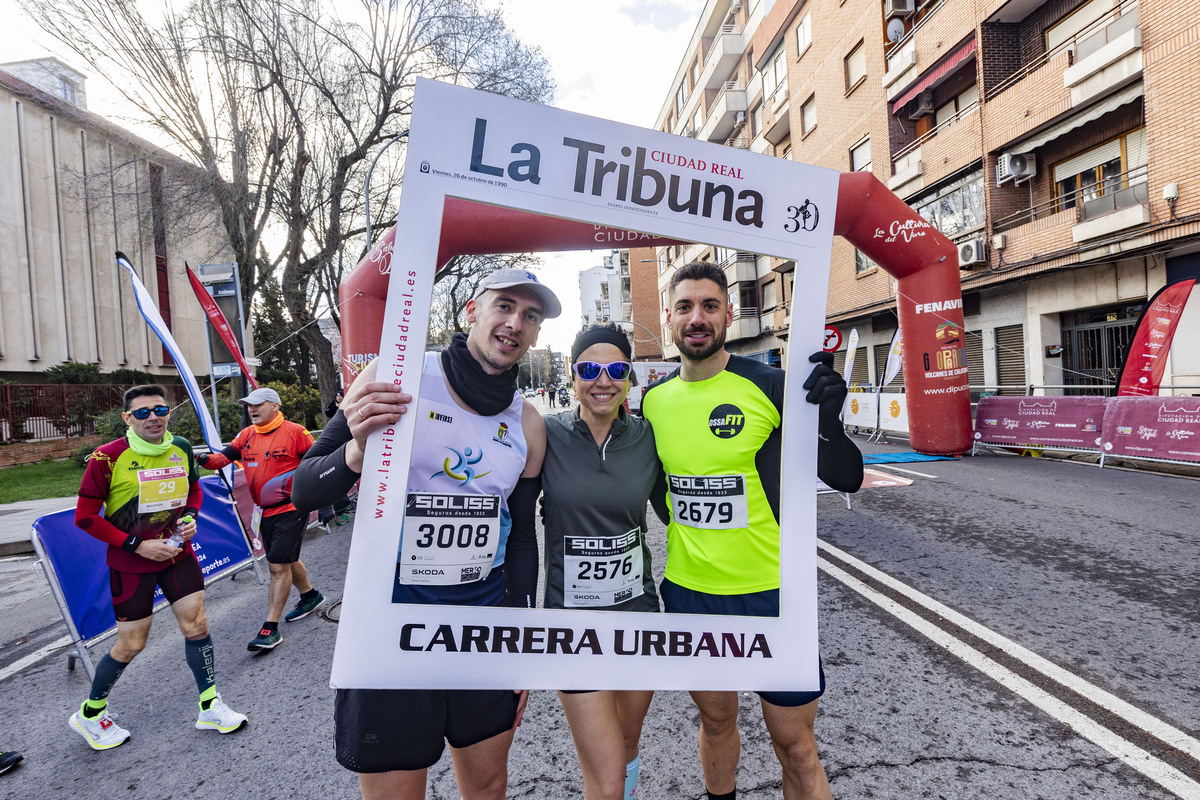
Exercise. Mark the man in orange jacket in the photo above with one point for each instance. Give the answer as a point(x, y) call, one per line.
point(270, 450)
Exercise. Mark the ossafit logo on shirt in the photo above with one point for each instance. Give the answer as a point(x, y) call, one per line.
point(726, 421)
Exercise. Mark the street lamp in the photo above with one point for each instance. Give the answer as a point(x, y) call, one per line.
point(657, 341)
point(367, 189)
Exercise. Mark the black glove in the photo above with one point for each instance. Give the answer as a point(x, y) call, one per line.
point(826, 389)
point(202, 459)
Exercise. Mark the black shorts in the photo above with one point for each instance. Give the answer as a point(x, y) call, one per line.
point(380, 730)
point(681, 600)
point(282, 535)
point(133, 592)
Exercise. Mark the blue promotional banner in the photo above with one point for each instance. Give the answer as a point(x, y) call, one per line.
point(79, 559)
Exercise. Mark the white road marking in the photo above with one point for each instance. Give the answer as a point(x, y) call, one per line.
point(33, 658)
point(1156, 770)
point(898, 469)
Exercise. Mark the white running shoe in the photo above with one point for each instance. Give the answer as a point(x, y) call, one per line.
point(101, 732)
point(221, 718)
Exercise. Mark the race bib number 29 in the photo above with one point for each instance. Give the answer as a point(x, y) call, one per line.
point(448, 539)
point(714, 502)
point(162, 489)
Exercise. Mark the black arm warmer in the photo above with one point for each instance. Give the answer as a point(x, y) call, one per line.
point(658, 497)
point(521, 553)
point(839, 462)
point(323, 477)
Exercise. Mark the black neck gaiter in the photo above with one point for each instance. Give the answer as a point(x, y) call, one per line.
point(485, 393)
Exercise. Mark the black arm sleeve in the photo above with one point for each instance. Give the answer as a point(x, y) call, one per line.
point(521, 553)
point(658, 497)
point(839, 462)
point(323, 478)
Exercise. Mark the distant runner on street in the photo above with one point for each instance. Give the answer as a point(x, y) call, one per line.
point(136, 492)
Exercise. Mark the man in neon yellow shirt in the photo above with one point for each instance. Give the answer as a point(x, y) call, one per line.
point(718, 429)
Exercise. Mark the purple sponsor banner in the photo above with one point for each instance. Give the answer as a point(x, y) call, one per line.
point(1153, 427)
point(1068, 422)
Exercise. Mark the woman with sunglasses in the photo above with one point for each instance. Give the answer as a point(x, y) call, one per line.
point(600, 470)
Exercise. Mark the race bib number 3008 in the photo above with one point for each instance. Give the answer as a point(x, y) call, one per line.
point(448, 539)
point(715, 502)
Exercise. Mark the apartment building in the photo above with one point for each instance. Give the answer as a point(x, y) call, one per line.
point(1052, 140)
point(75, 188)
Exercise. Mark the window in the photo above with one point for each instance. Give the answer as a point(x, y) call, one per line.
point(770, 295)
point(1083, 17)
point(949, 112)
point(856, 66)
point(756, 120)
point(775, 73)
point(680, 99)
point(697, 120)
point(66, 90)
point(954, 208)
point(663, 297)
point(1101, 170)
point(862, 263)
point(803, 35)
point(748, 298)
point(808, 115)
point(860, 156)
point(695, 72)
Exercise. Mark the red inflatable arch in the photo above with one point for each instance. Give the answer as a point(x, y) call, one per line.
point(869, 216)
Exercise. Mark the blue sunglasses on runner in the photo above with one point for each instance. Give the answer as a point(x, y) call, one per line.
point(144, 413)
point(590, 370)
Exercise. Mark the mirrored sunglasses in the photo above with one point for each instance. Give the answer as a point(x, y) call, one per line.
point(144, 413)
point(590, 370)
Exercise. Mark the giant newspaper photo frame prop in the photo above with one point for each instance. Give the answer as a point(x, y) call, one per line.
point(491, 149)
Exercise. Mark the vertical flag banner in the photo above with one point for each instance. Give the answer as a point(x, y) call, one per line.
point(851, 352)
point(217, 318)
point(893, 359)
point(1146, 359)
point(156, 323)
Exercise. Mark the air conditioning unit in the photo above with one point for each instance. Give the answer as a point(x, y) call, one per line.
point(739, 117)
point(924, 105)
point(689, 132)
point(1016, 167)
point(898, 8)
point(970, 253)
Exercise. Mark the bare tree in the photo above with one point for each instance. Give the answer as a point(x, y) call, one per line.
point(283, 104)
point(456, 284)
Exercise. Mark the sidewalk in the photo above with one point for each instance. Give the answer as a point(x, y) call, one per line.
point(16, 519)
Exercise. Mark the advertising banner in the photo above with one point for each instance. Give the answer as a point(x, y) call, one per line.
point(78, 559)
point(894, 359)
point(1073, 423)
point(1146, 358)
point(145, 302)
point(861, 410)
point(490, 149)
point(893, 412)
point(217, 318)
point(1153, 427)
point(851, 352)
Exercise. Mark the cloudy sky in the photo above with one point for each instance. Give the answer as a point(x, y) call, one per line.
point(610, 58)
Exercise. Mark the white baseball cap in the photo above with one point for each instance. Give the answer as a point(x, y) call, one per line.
point(504, 278)
point(260, 395)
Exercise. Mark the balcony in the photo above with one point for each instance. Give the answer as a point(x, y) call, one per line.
point(906, 169)
point(723, 113)
point(1116, 204)
point(1107, 57)
point(740, 268)
point(775, 130)
point(900, 62)
point(745, 324)
point(938, 152)
point(722, 57)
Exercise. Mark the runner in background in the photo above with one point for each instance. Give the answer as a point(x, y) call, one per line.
point(136, 492)
point(270, 449)
point(600, 471)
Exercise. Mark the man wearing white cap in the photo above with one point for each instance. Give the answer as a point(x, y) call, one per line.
point(469, 407)
point(270, 450)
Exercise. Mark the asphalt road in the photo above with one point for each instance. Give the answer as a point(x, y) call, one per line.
point(1092, 570)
